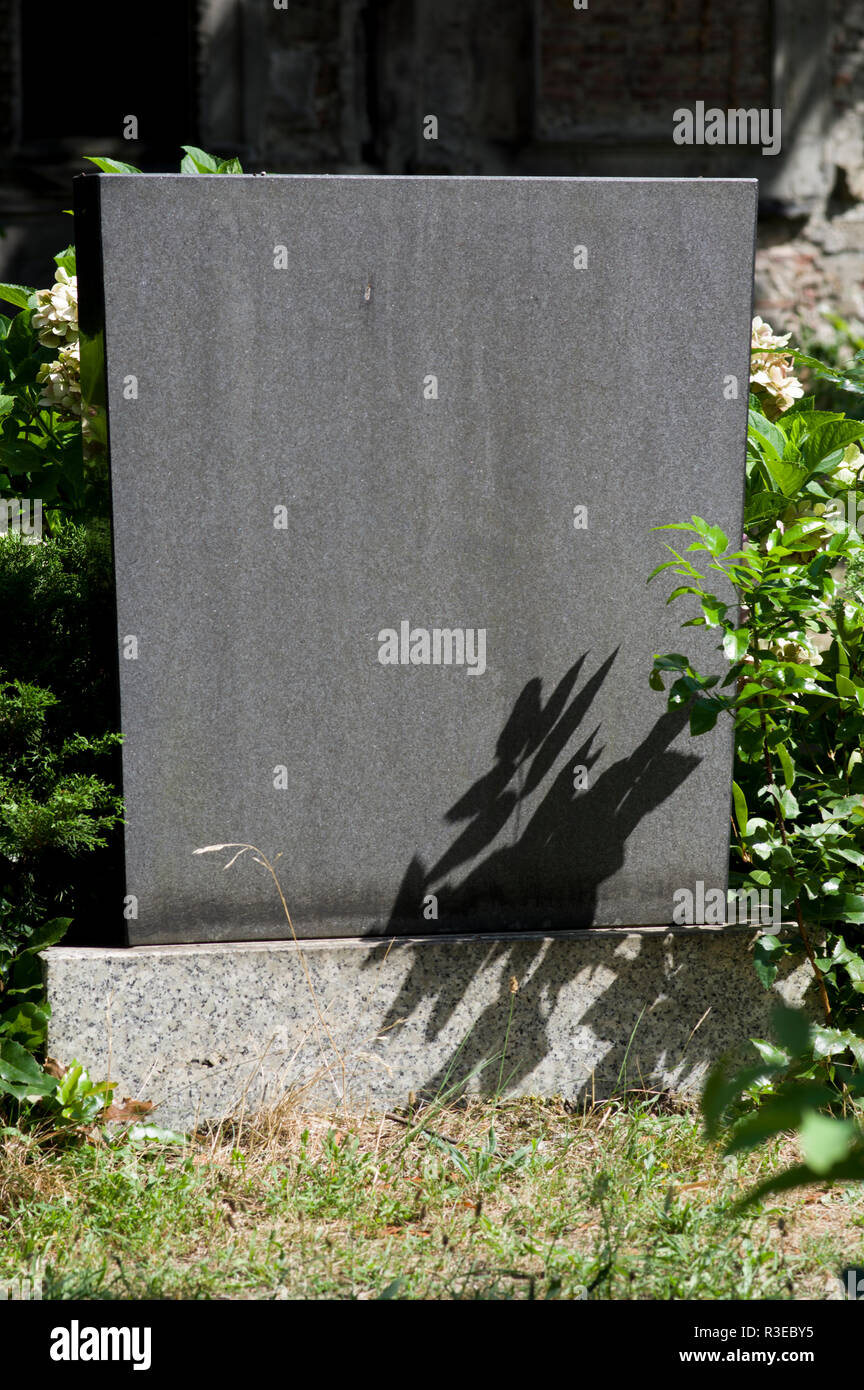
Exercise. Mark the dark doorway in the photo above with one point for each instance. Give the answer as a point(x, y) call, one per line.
point(116, 62)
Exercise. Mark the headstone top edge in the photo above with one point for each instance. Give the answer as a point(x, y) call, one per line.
point(553, 179)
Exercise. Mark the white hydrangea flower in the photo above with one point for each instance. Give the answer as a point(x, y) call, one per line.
point(850, 466)
point(798, 648)
point(61, 381)
point(55, 317)
point(771, 375)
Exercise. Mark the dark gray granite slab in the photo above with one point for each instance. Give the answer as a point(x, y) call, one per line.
point(257, 708)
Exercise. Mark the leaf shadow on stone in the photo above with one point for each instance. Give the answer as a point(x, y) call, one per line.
point(553, 860)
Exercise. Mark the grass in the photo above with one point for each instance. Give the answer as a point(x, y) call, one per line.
point(514, 1200)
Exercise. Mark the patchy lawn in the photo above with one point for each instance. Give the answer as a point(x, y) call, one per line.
point(519, 1199)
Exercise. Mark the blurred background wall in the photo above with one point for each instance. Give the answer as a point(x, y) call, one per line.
point(516, 86)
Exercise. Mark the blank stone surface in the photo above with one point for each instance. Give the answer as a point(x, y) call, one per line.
point(414, 787)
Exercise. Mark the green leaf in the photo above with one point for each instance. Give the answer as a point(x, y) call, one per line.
point(230, 166)
point(19, 456)
point(47, 935)
point(719, 1092)
point(739, 801)
point(735, 643)
point(783, 1111)
point(851, 962)
point(800, 1175)
point(825, 1141)
point(787, 765)
point(775, 1056)
point(827, 439)
point(792, 1027)
point(66, 260)
point(714, 610)
point(111, 166)
point(16, 294)
point(6, 404)
point(804, 535)
point(790, 477)
point(142, 1134)
point(850, 909)
point(672, 661)
point(703, 716)
point(26, 1023)
point(766, 959)
point(665, 565)
point(765, 507)
point(769, 440)
point(198, 161)
point(392, 1290)
point(788, 804)
point(21, 1075)
point(714, 538)
point(830, 1042)
point(845, 687)
point(79, 1098)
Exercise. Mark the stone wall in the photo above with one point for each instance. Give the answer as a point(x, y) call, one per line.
point(818, 263)
point(517, 87)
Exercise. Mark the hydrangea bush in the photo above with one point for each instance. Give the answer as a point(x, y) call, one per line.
point(772, 377)
point(55, 320)
point(51, 447)
point(787, 603)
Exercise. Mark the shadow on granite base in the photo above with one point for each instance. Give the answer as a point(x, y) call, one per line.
point(207, 1030)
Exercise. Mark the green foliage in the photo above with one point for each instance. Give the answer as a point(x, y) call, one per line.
point(846, 375)
point(70, 1101)
point(78, 1100)
point(111, 166)
point(45, 801)
point(483, 1164)
point(44, 453)
point(23, 1009)
point(798, 711)
point(57, 693)
point(797, 1091)
point(59, 767)
point(197, 161)
point(56, 813)
point(52, 806)
point(41, 450)
point(62, 596)
point(790, 622)
point(194, 161)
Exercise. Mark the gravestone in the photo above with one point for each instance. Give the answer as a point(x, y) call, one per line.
point(385, 457)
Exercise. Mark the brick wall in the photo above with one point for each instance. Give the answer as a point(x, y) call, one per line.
point(623, 68)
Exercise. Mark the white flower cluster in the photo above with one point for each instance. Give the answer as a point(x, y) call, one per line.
point(61, 381)
point(55, 319)
point(798, 647)
point(771, 375)
point(773, 381)
point(56, 316)
point(849, 469)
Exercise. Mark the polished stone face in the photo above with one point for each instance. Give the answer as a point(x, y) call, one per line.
point(386, 453)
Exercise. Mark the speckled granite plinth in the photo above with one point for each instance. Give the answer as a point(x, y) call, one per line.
point(205, 1030)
